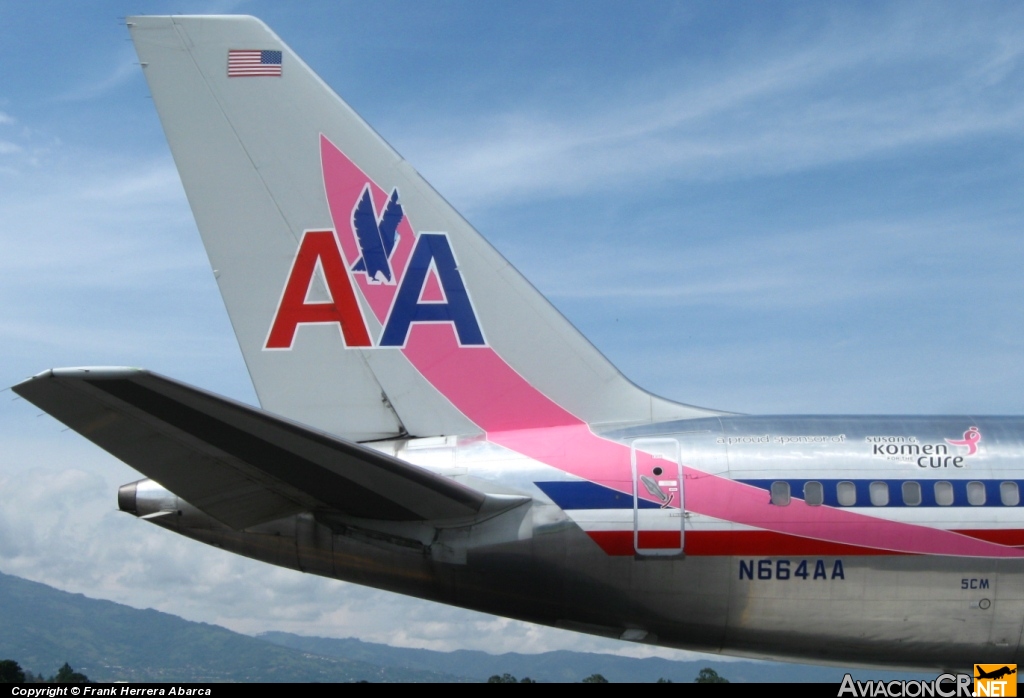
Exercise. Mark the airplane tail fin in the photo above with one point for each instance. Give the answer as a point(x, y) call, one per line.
point(364, 304)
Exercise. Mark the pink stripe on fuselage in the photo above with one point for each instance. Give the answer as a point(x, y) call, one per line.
point(517, 416)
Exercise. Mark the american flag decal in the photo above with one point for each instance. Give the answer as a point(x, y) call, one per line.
point(252, 63)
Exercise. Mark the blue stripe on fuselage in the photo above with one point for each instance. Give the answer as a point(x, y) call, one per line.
point(582, 494)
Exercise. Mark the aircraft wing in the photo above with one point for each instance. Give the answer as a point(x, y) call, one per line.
point(239, 464)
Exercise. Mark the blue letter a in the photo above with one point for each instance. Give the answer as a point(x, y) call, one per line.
point(432, 247)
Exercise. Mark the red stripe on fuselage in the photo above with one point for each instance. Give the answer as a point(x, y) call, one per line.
point(737, 543)
point(662, 540)
point(768, 543)
point(1013, 537)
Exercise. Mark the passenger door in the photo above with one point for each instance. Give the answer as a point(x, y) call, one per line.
point(658, 497)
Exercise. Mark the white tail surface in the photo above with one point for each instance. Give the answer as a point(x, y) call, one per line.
point(364, 304)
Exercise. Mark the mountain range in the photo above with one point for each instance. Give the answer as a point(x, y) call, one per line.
point(42, 627)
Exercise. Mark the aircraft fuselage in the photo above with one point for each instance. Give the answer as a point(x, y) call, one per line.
point(870, 539)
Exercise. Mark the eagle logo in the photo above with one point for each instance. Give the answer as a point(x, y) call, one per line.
point(376, 236)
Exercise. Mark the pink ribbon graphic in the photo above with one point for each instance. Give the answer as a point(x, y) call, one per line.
point(971, 438)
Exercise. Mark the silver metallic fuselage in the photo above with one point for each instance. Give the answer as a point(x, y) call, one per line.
point(737, 588)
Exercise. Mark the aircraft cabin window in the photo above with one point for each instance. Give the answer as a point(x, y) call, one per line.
point(846, 493)
point(813, 493)
point(879, 492)
point(1009, 494)
point(976, 494)
point(780, 493)
point(912, 494)
point(943, 494)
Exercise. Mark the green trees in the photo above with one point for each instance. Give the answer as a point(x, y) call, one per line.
point(68, 675)
point(508, 678)
point(709, 675)
point(11, 672)
point(706, 675)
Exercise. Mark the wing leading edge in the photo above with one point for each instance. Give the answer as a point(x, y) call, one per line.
point(239, 464)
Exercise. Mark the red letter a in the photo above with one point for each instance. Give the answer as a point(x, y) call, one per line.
point(342, 309)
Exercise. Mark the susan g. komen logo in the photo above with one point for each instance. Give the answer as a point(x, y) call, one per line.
point(995, 679)
point(406, 278)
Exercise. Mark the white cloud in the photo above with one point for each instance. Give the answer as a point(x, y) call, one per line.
point(796, 267)
point(855, 93)
point(120, 222)
point(59, 527)
point(126, 69)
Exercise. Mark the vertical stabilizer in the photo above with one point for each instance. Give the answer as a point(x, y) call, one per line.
point(363, 303)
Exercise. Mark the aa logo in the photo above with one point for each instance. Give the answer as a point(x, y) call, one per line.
point(995, 679)
point(406, 278)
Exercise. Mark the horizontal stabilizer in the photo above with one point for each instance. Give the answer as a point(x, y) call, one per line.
point(240, 465)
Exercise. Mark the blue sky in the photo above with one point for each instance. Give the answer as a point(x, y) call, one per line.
point(765, 208)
